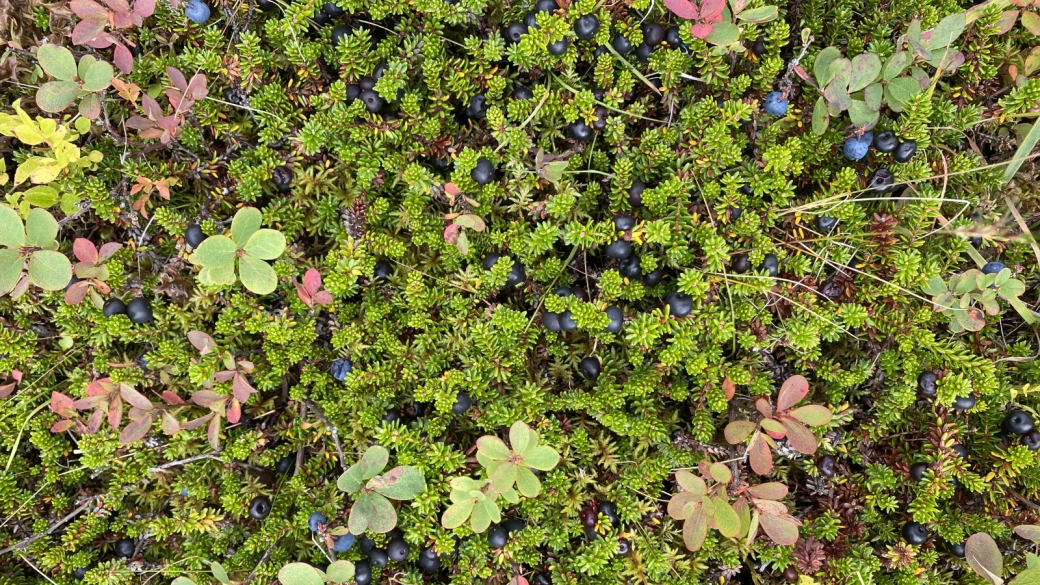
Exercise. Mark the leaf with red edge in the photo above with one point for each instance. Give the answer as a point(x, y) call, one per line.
point(191, 425)
point(793, 390)
point(100, 386)
point(729, 388)
point(118, 6)
point(451, 233)
point(7, 389)
point(85, 250)
point(323, 297)
point(984, 557)
point(87, 30)
point(762, 405)
point(115, 413)
point(90, 402)
point(711, 10)
point(206, 398)
point(518, 580)
point(135, 398)
point(107, 250)
point(62, 425)
point(695, 529)
point(151, 107)
point(89, 10)
point(213, 433)
point(172, 398)
point(75, 294)
point(738, 431)
point(241, 389)
point(312, 281)
point(759, 455)
point(304, 295)
point(196, 89)
point(60, 402)
point(123, 59)
point(144, 8)
point(234, 413)
point(136, 430)
point(102, 41)
point(93, 424)
point(452, 189)
point(177, 78)
point(813, 415)
point(224, 376)
point(701, 30)
point(170, 425)
point(769, 491)
point(682, 8)
point(202, 341)
point(799, 436)
point(782, 529)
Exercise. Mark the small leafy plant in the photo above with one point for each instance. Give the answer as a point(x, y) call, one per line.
point(310, 291)
point(713, 20)
point(221, 405)
point(95, 19)
point(961, 299)
point(105, 398)
point(474, 500)
point(84, 83)
point(701, 507)
point(784, 421)
point(248, 247)
point(91, 271)
point(985, 558)
point(33, 242)
point(372, 490)
point(60, 155)
point(182, 96)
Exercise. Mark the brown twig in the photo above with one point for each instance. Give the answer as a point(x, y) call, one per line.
point(50, 529)
point(335, 432)
point(1022, 499)
point(263, 559)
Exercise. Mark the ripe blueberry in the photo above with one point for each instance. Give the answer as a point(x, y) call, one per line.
point(282, 177)
point(340, 368)
point(373, 103)
point(367, 544)
point(960, 450)
point(857, 148)
point(125, 548)
point(340, 33)
point(653, 34)
point(630, 267)
point(1031, 440)
point(619, 250)
point(825, 223)
point(964, 402)
point(827, 465)
point(590, 368)
point(905, 151)
point(333, 10)
point(477, 109)
point(378, 557)
point(483, 173)
point(588, 517)
point(1019, 422)
point(551, 321)
point(741, 264)
point(363, 572)
point(462, 403)
point(343, 543)
point(759, 46)
point(993, 267)
point(259, 507)
point(914, 533)
point(617, 319)
point(926, 383)
point(497, 537)
point(886, 141)
point(579, 131)
point(193, 236)
point(315, 520)
point(558, 48)
point(635, 193)
point(775, 105)
point(391, 415)
point(643, 52)
point(567, 322)
point(917, 471)
point(654, 277)
point(531, 21)
point(679, 304)
point(624, 222)
point(545, 5)
point(382, 270)
point(514, 524)
point(522, 93)
point(197, 11)
point(285, 464)
point(622, 45)
point(514, 32)
point(770, 264)
point(139, 310)
point(113, 307)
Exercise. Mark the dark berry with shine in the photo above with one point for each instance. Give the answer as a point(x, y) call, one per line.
point(790, 574)
point(259, 507)
point(653, 34)
point(514, 32)
point(964, 402)
point(881, 181)
point(624, 546)
point(343, 543)
point(956, 549)
point(643, 52)
point(558, 48)
point(630, 267)
point(1031, 440)
point(382, 270)
point(741, 264)
point(635, 193)
point(497, 537)
point(477, 109)
point(993, 267)
point(113, 307)
point(282, 177)
point(391, 416)
point(827, 465)
point(285, 464)
point(914, 533)
point(193, 236)
point(886, 141)
point(770, 264)
point(513, 525)
point(567, 322)
point(546, 5)
point(523, 93)
point(590, 368)
point(429, 562)
point(139, 310)
point(579, 131)
point(926, 383)
point(367, 544)
point(654, 277)
point(617, 319)
point(373, 103)
point(462, 403)
point(333, 10)
point(960, 450)
point(80, 572)
point(125, 548)
point(586, 27)
point(1019, 422)
point(551, 321)
point(679, 303)
point(619, 249)
point(759, 46)
point(397, 549)
point(609, 509)
point(917, 471)
point(378, 558)
point(340, 33)
point(624, 222)
point(531, 20)
point(825, 223)
point(622, 45)
point(541, 579)
point(363, 572)
point(483, 173)
point(588, 517)
point(905, 151)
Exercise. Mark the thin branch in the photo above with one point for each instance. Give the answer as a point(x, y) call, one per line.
point(335, 432)
point(1022, 499)
point(51, 529)
point(262, 560)
point(164, 466)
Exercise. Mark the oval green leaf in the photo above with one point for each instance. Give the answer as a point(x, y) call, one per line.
point(57, 61)
point(257, 275)
point(49, 270)
point(265, 244)
point(12, 232)
point(55, 96)
point(40, 228)
point(11, 263)
point(299, 574)
point(341, 572)
point(216, 251)
point(245, 224)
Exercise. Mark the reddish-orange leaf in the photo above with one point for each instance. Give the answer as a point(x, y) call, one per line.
point(799, 436)
point(729, 388)
point(793, 390)
point(136, 430)
point(759, 455)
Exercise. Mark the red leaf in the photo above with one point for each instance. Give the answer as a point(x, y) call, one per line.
point(136, 430)
point(711, 10)
point(452, 189)
point(234, 414)
point(793, 390)
point(7, 389)
point(769, 491)
point(102, 41)
point(121, 20)
point(94, 424)
point(206, 398)
point(241, 389)
point(115, 413)
point(191, 425)
point(118, 6)
point(177, 78)
point(196, 89)
point(60, 402)
point(77, 292)
point(451, 233)
point(138, 123)
point(303, 294)
point(682, 8)
point(89, 10)
point(782, 529)
point(202, 341)
point(85, 251)
point(135, 398)
point(151, 107)
point(62, 425)
point(224, 375)
point(144, 8)
point(799, 436)
point(701, 30)
point(107, 250)
point(801, 73)
point(213, 433)
point(760, 456)
point(90, 402)
point(170, 425)
point(738, 430)
point(87, 30)
point(100, 386)
point(518, 580)
point(323, 297)
point(123, 59)
point(312, 280)
point(763, 407)
point(729, 388)
point(172, 398)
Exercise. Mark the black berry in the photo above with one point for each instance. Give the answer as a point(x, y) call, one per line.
point(654, 277)
point(382, 270)
point(643, 52)
point(285, 464)
point(113, 307)
point(960, 450)
point(522, 93)
point(956, 549)
point(630, 267)
point(624, 222)
point(551, 321)
point(624, 546)
point(917, 471)
point(363, 572)
point(477, 109)
point(617, 319)
point(590, 368)
point(193, 236)
point(586, 27)
point(1019, 422)
point(619, 250)
point(914, 533)
point(653, 34)
point(825, 223)
point(635, 193)
point(546, 5)
point(609, 510)
point(964, 402)
point(340, 33)
point(567, 322)
point(881, 181)
point(462, 403)
point(513, 525)
point(429, 562)
point(282, 177)
point(139, 310)
point(926, 383)
point(483, 173)
point(759, 46)
point(741, 264)
point(679, 303)
point(580, 131)
point(367, 544)
point(827, 465)
point(541, 579)
point(886, 141)
point(397, 549)
point(378, 557)
point(790, 574)
point(125, 548)
point(497, 537)
point(905, 151)
point(770, 264)
point(333, 10)
point(1031, 440)
point(373, 103)
point(514, 32)
point(259, 507)
point(588, 517)
point(622, 45)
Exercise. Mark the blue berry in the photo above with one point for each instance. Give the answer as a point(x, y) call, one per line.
point(856, 148)
point(774, 105)
point(314, 520)
point(340, 368)
point(343, 543)
point(993, 267)
point(197, 11)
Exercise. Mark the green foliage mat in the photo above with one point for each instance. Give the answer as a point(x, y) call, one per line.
point(494, 292)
